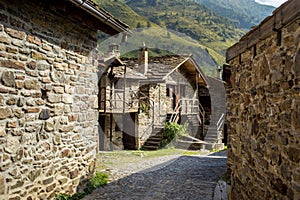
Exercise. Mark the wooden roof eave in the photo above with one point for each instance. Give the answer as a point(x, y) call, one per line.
point(104, 17)
point(173, 70)
point(201, 80)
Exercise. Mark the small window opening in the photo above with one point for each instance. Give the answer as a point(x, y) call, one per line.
point(254, 51)
point(240, 59)
point(279, 37)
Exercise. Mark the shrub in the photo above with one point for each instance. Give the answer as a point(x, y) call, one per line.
point(99, 180)
point(171, 132)
point(62, 197)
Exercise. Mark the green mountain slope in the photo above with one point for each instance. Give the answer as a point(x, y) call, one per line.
point(123, 12)
point(161, 38)
point(244, 13)
point(191, 18)
point(206, 29)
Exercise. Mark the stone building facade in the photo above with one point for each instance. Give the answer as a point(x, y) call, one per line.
point(134, 110)
point(263, 102)
point(48, 97)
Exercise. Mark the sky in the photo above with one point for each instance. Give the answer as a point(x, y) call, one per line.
point(274, 3)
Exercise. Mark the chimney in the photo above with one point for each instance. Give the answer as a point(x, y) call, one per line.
point(113, 49)
point(143, 59)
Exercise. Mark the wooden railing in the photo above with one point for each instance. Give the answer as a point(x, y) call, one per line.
point(188, 106)
point(118, 100)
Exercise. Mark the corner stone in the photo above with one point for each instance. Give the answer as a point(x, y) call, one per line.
point(2, 185)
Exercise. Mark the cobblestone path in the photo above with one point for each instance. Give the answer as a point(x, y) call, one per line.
point(166, 178)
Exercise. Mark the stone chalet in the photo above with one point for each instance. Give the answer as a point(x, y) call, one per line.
point(48, 95)
point(137, 96)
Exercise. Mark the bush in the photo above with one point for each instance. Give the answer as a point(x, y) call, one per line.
point(76, 196)
point(171, 132)
point(62, 197)
point(97, 181)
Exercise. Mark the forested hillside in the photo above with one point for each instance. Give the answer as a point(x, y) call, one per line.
point(207, 22)
point(243, 13)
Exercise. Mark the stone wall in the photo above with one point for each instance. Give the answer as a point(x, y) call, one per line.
point(263, 94)
point(48, 101)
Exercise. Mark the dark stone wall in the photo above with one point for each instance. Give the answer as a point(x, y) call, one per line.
point(48, 100)
point(263, 99)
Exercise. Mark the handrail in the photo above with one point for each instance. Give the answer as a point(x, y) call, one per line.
point(174, 114)
point(220, 122)
point(189, 109)
point(195, 104)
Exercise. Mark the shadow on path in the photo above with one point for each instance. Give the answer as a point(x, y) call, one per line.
point(187, 177)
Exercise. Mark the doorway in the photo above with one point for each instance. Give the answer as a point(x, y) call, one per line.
point(129, 131)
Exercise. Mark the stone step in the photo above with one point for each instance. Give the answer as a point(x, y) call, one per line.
point(154, 138)
point(209, 137)
point(151, 147)
point(153, 142)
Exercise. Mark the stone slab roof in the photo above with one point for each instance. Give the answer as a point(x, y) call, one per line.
point(162, 66)
point(158, 67)
point(130, 73)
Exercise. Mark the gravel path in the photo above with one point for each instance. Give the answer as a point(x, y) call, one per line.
point(163, 178)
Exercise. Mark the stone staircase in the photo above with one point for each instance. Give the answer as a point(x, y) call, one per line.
point(155, 139)
point(218, 106)
point(197, 127)
point(211, 135)
point(194, 120)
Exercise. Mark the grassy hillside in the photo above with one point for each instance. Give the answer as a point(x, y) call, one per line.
point(207, 30)
point(191, 18)
point(160, 40)
point(123, 12)
point(243, 13)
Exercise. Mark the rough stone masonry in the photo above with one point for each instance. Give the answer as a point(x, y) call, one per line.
point(48, 101)
point(263, 93)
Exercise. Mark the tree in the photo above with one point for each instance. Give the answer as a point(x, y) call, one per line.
point(148, 24)
point(139, 25)
point(168, 34)
point(152, 2)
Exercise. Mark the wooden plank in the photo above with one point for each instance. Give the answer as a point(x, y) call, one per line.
point(267, 28)
point(235, 50)
point(290, 11)
point(281, 17)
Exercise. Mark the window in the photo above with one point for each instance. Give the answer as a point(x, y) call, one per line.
point(170, 90)
point(183, 90)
